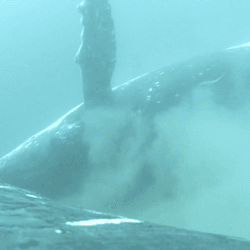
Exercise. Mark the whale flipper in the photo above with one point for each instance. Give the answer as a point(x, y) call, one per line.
point(97, 53)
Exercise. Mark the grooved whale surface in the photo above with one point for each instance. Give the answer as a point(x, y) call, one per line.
point(29, 221)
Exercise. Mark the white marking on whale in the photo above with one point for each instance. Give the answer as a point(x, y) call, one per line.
point(101, 222)
point(206, 83)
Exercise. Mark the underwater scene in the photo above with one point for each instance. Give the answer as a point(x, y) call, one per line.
point(136, 109)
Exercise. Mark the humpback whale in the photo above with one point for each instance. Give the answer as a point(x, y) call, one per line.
point(59, 162)
point(55, 161)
